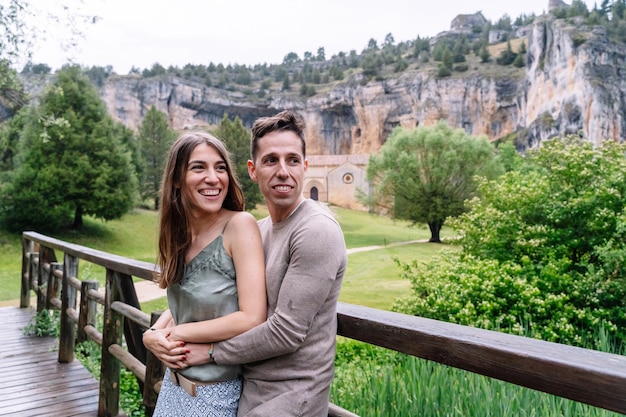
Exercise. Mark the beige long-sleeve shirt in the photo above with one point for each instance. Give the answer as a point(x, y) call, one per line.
point(290, 357)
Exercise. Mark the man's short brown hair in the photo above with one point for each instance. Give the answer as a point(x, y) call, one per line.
point(286, 120)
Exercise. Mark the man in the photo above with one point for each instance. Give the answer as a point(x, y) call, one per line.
point(289, 359)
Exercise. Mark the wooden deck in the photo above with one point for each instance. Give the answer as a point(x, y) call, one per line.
point(32, 382)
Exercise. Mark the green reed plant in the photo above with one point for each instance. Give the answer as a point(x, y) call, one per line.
point(375, 382)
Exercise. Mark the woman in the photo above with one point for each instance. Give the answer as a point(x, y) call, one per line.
point(211, 262)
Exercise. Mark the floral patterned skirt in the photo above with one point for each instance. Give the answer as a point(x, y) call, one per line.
point(213, 400)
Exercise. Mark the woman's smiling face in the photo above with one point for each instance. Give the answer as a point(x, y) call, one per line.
point(206, 179)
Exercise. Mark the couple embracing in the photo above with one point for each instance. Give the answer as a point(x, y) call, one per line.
point(251, 324)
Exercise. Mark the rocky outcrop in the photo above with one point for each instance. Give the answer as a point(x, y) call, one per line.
point(556, 4)
point(573, 83)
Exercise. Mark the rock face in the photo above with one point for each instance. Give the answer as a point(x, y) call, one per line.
point(573, 83)
point(573, 89)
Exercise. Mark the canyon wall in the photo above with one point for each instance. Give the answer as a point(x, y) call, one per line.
point(573, 83)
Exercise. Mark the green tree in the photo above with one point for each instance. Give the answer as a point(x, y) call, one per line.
point(155, 138)
point(425, 174)
point(389, 40)
point(507, 56)
point(9, 139)
point(504, 23)
point(70, 163)
point(155, 70)
point(420, 45)
point(371, 62)
point(286, 84)
point(543, 249)
point(443, 71)
point(353, 59)
point(372, 45)
point(509, 158)
point(400, 65)
point(568, 204)
point(447, 59)
point(237, 139)
point(12, 94)
point(321, 54)
point(31, 68)
point(98, 75)
point(290, 59)
point(131, 144)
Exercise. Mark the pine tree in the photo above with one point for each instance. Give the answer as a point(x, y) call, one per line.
point(71, 163)
point(237, 139)
point(155, 138)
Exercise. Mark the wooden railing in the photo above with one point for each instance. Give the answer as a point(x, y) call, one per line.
point(582, 375)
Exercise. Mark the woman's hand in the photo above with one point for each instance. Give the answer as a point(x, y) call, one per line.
point(172, 353)
point(197, 353)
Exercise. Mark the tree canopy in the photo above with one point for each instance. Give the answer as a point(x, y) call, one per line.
point(237, 140)
point(543, 250)
point(71, 161)
point(425, 174)
point(155, 138)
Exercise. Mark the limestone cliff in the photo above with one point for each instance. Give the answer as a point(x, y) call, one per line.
point(570, 88)
point(573, 83)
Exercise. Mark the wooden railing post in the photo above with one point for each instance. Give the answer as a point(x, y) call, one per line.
point(154, 375)
point(67, 335)
point(53, 284)
point(46, 257)
point(133, 333)
point(41, 302)
point(108, 403)
point(88, 309)
point(32, 271)
point(27, 250)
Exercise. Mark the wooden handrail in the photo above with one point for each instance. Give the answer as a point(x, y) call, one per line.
point(582, 375)
point(110, 261)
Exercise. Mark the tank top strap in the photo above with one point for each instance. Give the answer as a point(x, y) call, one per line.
point(225, 224)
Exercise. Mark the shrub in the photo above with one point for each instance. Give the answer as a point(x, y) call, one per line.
point(543, 249)
point(44, 323)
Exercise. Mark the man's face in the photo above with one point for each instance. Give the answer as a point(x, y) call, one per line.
point(279, 170)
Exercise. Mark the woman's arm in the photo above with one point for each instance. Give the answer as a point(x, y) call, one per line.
point(165, 320)
point(170, 352)
point(242, 240)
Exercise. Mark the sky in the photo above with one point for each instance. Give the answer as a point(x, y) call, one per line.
point(140, 33)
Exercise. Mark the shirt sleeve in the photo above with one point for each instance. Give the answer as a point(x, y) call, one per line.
point(317, 259)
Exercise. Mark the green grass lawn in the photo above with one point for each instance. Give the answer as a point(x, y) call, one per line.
point(365, 229)
point(10, 266)
point(132, 236)
point(372, 278)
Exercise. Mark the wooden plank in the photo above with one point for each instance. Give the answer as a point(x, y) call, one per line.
point(32, 381)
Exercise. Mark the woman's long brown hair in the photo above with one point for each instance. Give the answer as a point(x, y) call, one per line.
point(174, 225)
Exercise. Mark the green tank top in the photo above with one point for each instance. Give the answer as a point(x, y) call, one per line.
point(208, 290)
